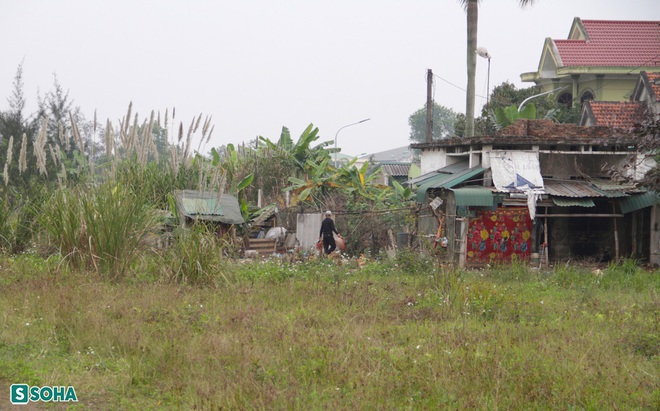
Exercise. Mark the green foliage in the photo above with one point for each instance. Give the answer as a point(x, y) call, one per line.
point(414, 262)
point(443, 123)
point(317, 331)
point(195, 256)
point(18, 215)
point(102, 228)
point(154, 181)
point(508, 115)
point(506, 94)
point(405, 194)
point(483, 126)
point(317, 182)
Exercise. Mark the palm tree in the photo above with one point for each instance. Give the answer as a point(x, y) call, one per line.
point(472, 9)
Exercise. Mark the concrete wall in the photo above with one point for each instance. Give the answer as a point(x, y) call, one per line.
point(432, 160)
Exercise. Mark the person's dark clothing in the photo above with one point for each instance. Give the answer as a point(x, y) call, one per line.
point(327, 228)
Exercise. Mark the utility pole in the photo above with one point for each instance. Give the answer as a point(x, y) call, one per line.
point(429, 106)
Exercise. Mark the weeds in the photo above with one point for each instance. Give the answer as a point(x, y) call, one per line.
point(102, 228)
point(288, 335)
point(195, 257)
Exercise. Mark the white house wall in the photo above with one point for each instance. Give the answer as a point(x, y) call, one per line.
point(432, 160)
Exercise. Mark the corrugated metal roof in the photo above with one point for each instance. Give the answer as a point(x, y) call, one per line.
point(573, 202)
point(209, 206)
point(447, 181)
point(474, 196)
point(461, 177)
point(638, 201)
point(455, 168)
point(575, 189)
point(613, 189)
point(396, 169)
point(450, 169)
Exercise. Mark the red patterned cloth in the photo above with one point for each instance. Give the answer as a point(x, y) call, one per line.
point(502, 235)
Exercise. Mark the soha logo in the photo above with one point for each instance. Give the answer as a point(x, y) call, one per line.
point(23, 393)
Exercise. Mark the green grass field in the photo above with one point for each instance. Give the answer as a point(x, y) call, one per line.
point(401, 334)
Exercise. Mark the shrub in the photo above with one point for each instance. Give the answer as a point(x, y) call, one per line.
point(196, 256)
point(103, 227)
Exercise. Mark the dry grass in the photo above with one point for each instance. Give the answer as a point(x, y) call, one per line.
point(319, 336)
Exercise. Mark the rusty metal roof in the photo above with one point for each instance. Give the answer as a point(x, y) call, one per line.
point(575, 189)
point(614, 189)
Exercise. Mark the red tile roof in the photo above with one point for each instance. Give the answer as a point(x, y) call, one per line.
point(613, 43)
point(617, 114)
point(654, 80)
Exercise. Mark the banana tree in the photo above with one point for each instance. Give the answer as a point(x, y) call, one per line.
point(508, 115)
point(301, 151)
point(316, 180)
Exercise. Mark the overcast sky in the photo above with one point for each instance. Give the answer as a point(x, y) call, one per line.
point(258, 65)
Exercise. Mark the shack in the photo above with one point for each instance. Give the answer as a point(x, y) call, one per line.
point(220, 211)
point(538, 189)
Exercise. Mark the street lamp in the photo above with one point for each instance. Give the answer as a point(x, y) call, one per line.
point(538, 95)
point(347, 125)
point(483, 52)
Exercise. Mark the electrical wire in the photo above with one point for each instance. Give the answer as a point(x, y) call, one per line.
point(460, 88)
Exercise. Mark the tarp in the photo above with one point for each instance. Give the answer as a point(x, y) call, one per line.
point(516, 170)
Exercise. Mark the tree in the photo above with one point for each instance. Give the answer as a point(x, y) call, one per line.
point(15, 123)
point(506, 94)
point(483, 126)
point(63, 121)
point(648, 141)
point(472, 9)
point(647, 137)
point(58, 108)
point(443, 123)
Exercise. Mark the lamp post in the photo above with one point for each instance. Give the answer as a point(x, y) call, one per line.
point(538, 95)
point(340, 128)
point(483, 52)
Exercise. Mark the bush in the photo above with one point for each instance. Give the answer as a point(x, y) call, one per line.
point(102, 228)
point(196, 256)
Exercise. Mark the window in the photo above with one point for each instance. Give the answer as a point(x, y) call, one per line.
point(586, 96)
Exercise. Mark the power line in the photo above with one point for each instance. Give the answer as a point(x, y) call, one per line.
point(452, 84)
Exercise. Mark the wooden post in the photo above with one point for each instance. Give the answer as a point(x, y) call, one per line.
point(429, 106)
point(634, 234)
point(545, 239)
point(616, 236)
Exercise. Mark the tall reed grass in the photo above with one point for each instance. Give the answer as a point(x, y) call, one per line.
point(101, 228)
point(195, 257)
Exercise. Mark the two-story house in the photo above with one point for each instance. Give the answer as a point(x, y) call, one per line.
point(600, 60)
